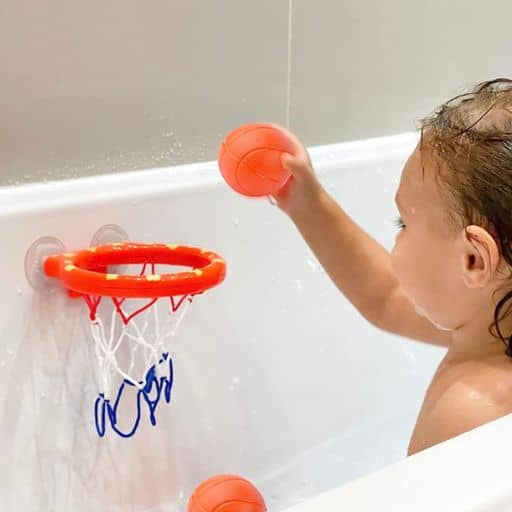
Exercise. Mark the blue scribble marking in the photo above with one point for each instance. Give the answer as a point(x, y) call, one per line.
point(150, 394)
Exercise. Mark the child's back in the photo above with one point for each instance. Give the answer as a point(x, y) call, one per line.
point(463, 395)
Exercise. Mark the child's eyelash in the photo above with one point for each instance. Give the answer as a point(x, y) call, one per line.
point(399, 223)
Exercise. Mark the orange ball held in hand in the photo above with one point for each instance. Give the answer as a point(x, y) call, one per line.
point(226, 493)
point(250, 159)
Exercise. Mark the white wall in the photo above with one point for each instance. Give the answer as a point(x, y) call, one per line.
point(95, 87)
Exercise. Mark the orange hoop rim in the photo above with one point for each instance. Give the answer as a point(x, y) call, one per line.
point(85, 271)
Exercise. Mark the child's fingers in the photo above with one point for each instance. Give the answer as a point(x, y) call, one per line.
point(296, 165)
point(290, 162)
point(300, 149)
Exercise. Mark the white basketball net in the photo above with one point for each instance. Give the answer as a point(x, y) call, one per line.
point(130, 343)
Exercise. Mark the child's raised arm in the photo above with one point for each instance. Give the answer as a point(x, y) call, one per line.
point(357, 264)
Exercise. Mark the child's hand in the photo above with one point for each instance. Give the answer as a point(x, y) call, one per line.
point(303, 187)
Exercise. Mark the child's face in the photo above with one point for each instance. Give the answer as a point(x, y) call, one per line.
point(426, 257)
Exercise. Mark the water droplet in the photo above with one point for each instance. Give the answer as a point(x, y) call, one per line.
point(10, 352)
point(2, 364)
point(410, 356)
point(298, 284)
point(236, 222)
point(19, 291)
point(43, 395)
point(236, 380)
point(312, 263)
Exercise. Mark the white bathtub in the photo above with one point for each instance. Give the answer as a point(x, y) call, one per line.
point(277, 377)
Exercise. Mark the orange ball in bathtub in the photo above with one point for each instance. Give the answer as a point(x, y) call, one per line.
point(226, 493)
point(250, 159)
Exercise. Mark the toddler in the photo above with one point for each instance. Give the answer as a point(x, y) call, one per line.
point(447, 279)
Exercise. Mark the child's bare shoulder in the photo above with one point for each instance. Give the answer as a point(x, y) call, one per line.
point(463, 396)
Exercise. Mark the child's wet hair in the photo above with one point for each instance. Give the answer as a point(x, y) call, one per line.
point(470, 139)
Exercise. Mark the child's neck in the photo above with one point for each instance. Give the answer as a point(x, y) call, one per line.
point(474, 341)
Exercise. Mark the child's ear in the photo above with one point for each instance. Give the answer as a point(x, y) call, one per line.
point(480, 256)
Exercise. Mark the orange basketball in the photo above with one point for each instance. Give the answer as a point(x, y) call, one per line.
point(226, 493)
point(250, 159)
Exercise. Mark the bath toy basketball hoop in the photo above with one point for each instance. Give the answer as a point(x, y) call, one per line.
point(128, 335)
point(84, 272)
